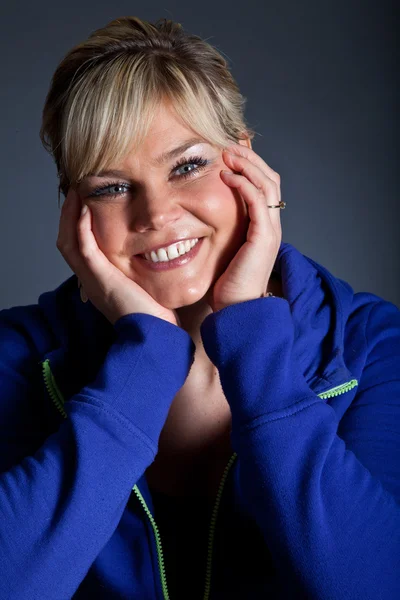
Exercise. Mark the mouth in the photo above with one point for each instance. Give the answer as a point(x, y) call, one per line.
point(172, 263)
point(170, 244)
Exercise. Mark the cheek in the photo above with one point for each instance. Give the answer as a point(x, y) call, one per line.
point(106, 229)
point(221, 202)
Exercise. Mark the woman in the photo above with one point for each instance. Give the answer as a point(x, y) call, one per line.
point(215, 419)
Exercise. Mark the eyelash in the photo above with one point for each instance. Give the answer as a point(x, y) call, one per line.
point(197, 160)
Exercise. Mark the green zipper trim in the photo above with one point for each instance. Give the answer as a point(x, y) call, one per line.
point(160, 555)
point(58, 400)
point(213, 524)
point(211, 534)
point(52, 387)
point(339, 389)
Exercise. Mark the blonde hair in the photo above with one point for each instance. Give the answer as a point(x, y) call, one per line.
point(105, 90)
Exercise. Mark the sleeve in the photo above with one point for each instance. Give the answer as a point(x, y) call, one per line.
point(329, 511)
point(66, 498)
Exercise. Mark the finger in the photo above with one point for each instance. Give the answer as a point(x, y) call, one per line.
point(260, 221)
point(264, 184)
point(87, 243)
point(249, 153)
point(95, 261)
point(260, 180)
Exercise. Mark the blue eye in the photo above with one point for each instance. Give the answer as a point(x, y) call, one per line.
point(200, 163)
point(193, 160)
point(114, 184)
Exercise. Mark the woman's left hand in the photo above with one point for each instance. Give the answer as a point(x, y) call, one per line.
point(248, 273)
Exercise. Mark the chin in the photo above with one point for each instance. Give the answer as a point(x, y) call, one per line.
point(174, 305)
point(196, 299)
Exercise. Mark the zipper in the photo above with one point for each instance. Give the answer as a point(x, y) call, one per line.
point(212, 526)
point(339, 389)
point(160, 556)
point(58, 400)
point(52, 388)
point(211, 533)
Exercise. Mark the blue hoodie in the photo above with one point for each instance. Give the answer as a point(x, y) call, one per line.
point(308, 506)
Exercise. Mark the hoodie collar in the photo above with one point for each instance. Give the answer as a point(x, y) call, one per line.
point(319, 304)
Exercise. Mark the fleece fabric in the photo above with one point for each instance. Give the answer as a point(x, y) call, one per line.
point(308, 506)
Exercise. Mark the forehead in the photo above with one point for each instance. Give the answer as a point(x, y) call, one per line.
point(167, 137)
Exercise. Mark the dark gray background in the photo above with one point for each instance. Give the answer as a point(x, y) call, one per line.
point(321, 89)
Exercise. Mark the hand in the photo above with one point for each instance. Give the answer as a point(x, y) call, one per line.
point(248, 274)
point(109, 290)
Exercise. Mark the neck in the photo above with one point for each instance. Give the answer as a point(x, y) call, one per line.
point(191, 317)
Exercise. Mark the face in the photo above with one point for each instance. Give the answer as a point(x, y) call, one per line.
point(154, 204)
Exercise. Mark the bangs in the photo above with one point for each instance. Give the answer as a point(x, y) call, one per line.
point(110, 110)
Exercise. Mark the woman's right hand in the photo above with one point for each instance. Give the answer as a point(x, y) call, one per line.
point(108, 288)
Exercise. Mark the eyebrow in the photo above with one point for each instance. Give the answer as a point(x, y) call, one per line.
point(167, 156)
point(159, 161)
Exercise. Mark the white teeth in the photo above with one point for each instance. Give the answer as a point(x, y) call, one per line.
point(171, 252)
point(181, 248)
point(162, 254)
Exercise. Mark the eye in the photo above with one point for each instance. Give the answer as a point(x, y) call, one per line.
point(114, 186)
point(118, 188)
point(193, 160)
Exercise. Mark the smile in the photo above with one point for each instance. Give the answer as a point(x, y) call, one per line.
point(164, 263)
point(172, 251)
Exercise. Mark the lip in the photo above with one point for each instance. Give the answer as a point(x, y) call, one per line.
point(170, 264)
point(166, 245)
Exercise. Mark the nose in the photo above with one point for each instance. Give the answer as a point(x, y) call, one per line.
point(154, 209)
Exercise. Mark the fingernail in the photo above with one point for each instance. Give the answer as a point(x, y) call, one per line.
point(84, 209)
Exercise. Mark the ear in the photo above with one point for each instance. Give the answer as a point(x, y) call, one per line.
point(245, 142)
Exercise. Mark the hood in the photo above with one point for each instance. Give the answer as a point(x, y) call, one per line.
point(320, 305)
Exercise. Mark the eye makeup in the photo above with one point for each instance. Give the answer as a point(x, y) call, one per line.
point(200, 162)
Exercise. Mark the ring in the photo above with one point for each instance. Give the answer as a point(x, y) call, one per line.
point(281, 205)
